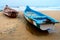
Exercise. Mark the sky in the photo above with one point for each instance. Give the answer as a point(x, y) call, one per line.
point(37, 3)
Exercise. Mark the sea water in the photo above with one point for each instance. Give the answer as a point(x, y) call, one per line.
point(22, 8)
point(34, 4)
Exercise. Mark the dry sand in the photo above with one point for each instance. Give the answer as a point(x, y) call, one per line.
point(19, 29)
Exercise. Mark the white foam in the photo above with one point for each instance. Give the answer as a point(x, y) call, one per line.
point(36, 8)
point(22, 8)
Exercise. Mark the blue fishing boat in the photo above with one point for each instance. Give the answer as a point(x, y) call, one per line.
point(40, 20)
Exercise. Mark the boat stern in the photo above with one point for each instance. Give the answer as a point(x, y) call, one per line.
point(47, 26)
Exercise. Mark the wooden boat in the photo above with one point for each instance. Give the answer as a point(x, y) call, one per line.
point(10, 12)
point(40, 20)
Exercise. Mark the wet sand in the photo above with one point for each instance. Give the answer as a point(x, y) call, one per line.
point(19, 29)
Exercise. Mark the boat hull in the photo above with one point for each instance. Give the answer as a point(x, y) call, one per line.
point(11, 15)
point(40, 20)
point(10, 12)
point(43, 26)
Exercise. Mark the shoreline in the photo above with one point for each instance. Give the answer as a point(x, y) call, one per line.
point(22, 8)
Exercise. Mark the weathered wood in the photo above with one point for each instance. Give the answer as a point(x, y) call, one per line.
point(10, 12)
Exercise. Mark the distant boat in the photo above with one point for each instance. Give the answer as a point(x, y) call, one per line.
point(40, 20)
point(10, 12)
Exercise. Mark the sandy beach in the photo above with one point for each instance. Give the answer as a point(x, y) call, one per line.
point(19, 29)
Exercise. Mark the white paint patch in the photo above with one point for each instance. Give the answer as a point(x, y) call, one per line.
point(47, 27)
point(26, 18)
point(6, 13)
point(34, 23)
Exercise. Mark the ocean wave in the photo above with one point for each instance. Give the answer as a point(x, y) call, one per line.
point(22, 8)
point(36, 8)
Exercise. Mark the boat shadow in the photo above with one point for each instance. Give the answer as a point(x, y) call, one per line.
point(34, 30)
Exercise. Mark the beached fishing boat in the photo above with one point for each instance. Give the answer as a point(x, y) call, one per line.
point(40, 20)
point(10, 12)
